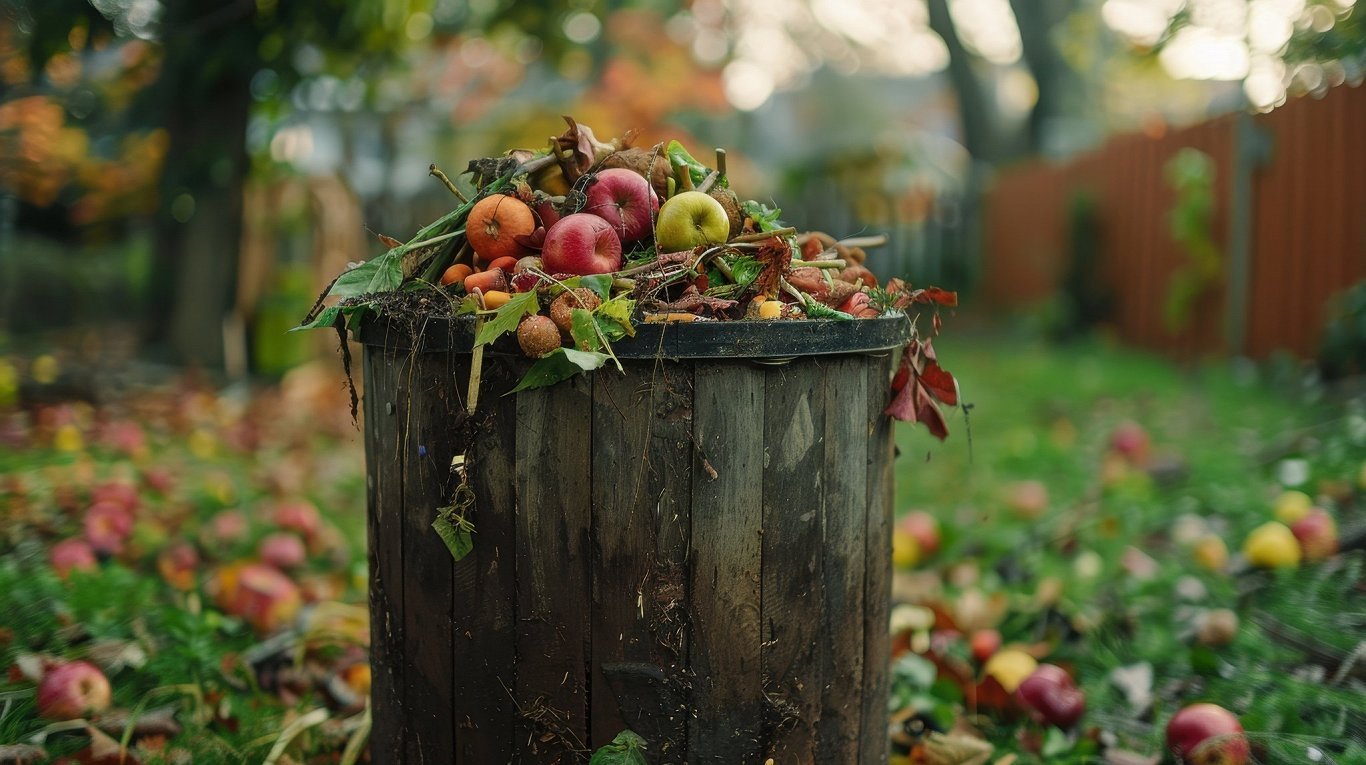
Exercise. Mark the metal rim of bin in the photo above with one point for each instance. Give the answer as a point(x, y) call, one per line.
point(682, 340)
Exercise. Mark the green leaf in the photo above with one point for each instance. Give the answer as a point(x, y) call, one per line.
point(764, 216)
point(381, 274)
point(601, 284)
point(745, 269)
point(455, 531)
point(326, 318)
point(559, 364)
point(626, 749)
point(507, 317)
point(467, 306)
point(583, 329)
point(695, 170)
point(614, 317)
point(815, 310)
point(1055, 742)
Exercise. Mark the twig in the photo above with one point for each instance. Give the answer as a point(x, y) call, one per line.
point(721, 162)
point(436, 171)
point(759, 236)
point(683, 174)
point(709, 181)
point(865, 241)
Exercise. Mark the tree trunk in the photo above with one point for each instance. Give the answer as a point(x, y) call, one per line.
point(980, 123)
point(199, 229)
point(1059, 93)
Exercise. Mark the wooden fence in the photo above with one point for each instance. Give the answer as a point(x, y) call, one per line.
point(1289, 221)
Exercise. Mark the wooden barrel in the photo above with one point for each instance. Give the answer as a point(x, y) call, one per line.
point(697, 550)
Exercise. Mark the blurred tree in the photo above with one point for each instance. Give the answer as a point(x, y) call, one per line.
point(215, 60)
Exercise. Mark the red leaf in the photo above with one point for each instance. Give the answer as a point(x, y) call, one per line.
point(935, 295)
point(940, 383)
point(927, 412)
point(903, 404)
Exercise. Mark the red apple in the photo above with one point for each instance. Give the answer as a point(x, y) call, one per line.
point(73, 690)
point(1317, 534)
point(225, 528)
point(298, 515)
point(1207, 734)
point(546, 211)
point(984, 644)
point(581, 244)
point(258, 593)
point(107, 524)
point(924, 527)
point(1050, 693)
point(1130, 441)
point(282, 550)
point(178, 564)
point(624, 199)
point(118, 493)
point(860, 306)
point(1027, 499)
point(71, 555)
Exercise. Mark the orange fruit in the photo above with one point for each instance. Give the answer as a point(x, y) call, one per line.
point(493, 225)
point(456, 273)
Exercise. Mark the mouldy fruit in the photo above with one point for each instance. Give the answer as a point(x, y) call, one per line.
point(562, 307)
point(538, 335)
point(494, 223)
point(650, 163)
point(1207, 734)
point(1217, 628)
point(771, 309)
point(71, 690)
point(731, 204)
point(1272, 545)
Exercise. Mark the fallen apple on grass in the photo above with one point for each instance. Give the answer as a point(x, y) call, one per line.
point(1052, 697)
point(1207, 734)
point(71, 555)
point(71, 690)
point(924, 527)
point(1272, 545)
point(581, 244)
point(688, 219)
point(1317, 533)
point(282, 550)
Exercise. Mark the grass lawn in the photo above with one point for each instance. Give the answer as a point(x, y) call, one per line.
point(1093, 567)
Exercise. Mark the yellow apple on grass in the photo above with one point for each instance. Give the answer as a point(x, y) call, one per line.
point(689, 219)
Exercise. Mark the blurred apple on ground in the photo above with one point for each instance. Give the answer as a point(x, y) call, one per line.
point(1027, 499)
point(1291, 506)
point(925, 528)
point(72, 690)
point(1317, 533)
point(71, 555)
point(1207, 734)
point(1272, 545)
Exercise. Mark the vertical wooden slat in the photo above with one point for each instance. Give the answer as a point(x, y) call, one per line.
point(428, 444)
point(554, 475)
point(727, 711)
point(484, 610)
point(793, 590)
point(877, 582)
point(844, 505)
point(384, 411)
point(641, 468)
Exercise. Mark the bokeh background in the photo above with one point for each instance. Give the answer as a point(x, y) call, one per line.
point(1154, 212)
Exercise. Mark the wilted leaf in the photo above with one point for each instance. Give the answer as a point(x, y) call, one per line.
point(955, 750)
point(940, 383)
point(626, 749)
point(616, 311)
point(507, 318)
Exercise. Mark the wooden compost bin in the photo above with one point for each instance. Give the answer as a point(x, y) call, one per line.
point(697, 550)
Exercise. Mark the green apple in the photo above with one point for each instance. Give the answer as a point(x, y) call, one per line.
point(689, 219)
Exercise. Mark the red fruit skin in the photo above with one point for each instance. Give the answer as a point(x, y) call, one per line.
point(299, 515)
point(1130, 441)
point(984, 644)
point(122, 494)
point(264, 597)
point(71, 555)
point(487, 281)
point(625, 200)
point(925, 528)
point(282, 550)
point(859, 306)
point(72, 690)
point(547, 213)
point(1050, 693)
point(106, 525)
point(1317, 533)
point(1207, 734)
point(581, 244)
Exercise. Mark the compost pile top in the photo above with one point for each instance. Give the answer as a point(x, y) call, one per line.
point(572, 247)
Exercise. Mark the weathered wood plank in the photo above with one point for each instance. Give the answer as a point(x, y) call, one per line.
point(793, 593)
point(727, 713)
point(484, 612)
point(427, 432)
point(640, 458)
point(384, 535)
point(877, 588)
point(554, 475)
point(844, 495)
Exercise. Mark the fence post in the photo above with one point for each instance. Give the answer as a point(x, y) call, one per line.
point(1251, 150)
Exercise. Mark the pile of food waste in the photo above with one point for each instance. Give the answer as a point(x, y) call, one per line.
point(572, 247)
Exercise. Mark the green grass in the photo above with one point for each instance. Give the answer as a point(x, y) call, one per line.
point(1046, 414)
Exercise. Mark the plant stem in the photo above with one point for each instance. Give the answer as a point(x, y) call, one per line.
point(834, 263)
point(865, 241)
point(709, 181)
point(721, 161)
point(440, 176)
point(683, 175)
point(759, 236)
